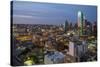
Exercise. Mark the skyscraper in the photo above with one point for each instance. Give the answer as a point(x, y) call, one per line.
point(66, 26)
point(94, 28)
point(80, 22)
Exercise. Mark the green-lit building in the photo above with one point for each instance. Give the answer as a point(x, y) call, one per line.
point(80, 23)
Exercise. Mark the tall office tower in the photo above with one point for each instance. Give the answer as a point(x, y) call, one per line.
point(84, 25)
point(94, 28)
point(66, 26)
point(80, 22)
point(84, 18)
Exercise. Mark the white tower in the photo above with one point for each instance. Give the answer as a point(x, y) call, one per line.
point(80, 22)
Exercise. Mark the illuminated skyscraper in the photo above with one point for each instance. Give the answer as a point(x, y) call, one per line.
point(80, 22)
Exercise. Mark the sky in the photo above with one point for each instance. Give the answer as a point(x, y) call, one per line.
point(50, 13)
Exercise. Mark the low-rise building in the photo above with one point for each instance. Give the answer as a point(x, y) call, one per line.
point(54, 57)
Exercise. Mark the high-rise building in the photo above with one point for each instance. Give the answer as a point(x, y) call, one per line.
point(94, 28)
point(66, 26)
point(80, 22)
point(77, 49)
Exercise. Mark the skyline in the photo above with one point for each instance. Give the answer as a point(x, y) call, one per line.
point(50, 13)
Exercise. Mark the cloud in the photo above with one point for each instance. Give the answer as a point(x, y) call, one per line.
point(23, 16)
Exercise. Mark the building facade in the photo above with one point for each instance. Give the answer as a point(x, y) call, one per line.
point(77, 49)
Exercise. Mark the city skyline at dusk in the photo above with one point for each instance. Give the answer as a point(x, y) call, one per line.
point(48, 33)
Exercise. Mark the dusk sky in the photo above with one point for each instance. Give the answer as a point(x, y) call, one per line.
point(47, 13)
